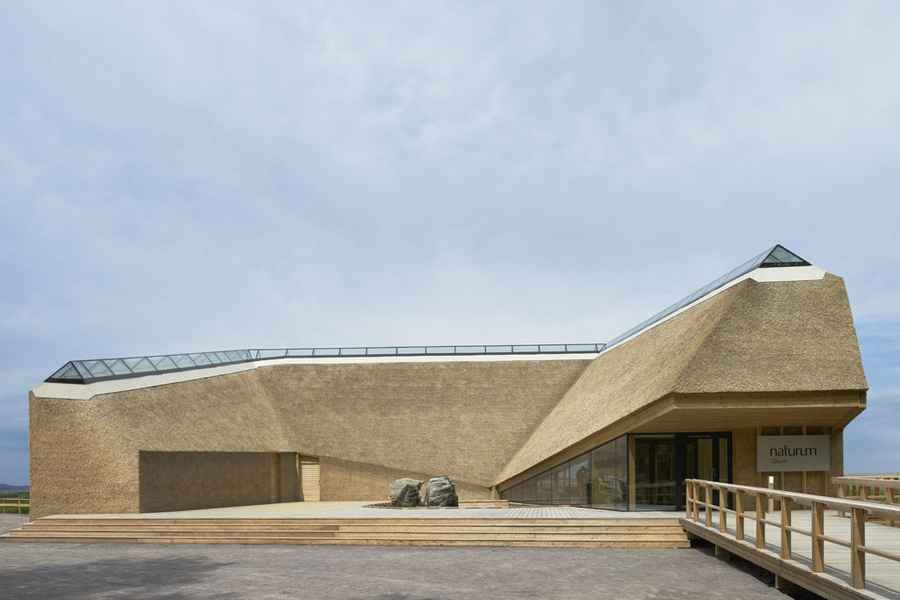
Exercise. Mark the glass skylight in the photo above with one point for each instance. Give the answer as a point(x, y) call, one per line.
point(89, 371)
point(776, 256)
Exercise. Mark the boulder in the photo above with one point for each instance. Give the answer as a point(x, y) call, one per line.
point(440, 491)
point(405, 492)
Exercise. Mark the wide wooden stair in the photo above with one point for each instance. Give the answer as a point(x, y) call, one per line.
point(581, 533)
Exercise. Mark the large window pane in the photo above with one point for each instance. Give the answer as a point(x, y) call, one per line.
point(597, 478)
point(579, 480)
point(609, 481)
point(654, 472)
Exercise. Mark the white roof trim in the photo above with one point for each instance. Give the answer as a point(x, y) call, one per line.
point(86, 391)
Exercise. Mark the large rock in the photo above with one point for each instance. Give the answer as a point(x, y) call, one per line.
point(440, 491)
point(405, 492)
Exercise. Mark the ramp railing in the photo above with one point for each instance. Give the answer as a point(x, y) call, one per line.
point(870, 488)
point(15, 502)
point(752, 502)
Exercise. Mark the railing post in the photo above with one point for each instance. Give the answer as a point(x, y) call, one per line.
point(760, 517)
point(842, 493)
point(707, 497)
point(687, 499)
point(858, 547)
point(786, 528)
point(817, 516)
point(695, 493)
point(889, 499)
point(739, 516)
point(723, 514)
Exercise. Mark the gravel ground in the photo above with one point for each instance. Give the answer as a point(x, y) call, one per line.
point(76, 571)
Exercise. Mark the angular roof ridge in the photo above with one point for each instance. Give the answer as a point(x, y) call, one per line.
point(669, 381)
point(761, 354)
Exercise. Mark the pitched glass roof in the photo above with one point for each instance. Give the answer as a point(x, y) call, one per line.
point(776, 256)
point(89, 371)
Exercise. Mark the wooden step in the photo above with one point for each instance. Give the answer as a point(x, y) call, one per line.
point(524, 536)
point(587, 533)
point(454, 521)
point(422, 527)
point(356, 542)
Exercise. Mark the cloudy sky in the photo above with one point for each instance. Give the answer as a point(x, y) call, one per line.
point(188, 176)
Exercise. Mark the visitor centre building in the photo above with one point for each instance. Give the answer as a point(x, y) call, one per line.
point(753, 376)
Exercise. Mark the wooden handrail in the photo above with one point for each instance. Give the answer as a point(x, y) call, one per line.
point(888, 484)
point(845, 504)
point(882, 481)
point(859, 510)
point(19, 503)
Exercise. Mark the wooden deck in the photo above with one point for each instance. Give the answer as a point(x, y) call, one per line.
point(808, 542)
point(882, 575)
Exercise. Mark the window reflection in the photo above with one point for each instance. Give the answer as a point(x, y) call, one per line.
point(598, 478)
point(654, 472)
point(609, 480)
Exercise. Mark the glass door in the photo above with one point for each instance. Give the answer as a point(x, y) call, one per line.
point(655, 472)
point(704, 456)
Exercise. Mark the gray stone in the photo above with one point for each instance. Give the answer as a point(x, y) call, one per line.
point(405, 492)
point(440, 491)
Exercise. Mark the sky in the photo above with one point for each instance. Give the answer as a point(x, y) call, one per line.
point(183, 176)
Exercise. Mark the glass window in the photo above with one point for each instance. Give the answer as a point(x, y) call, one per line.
point(439, 350)
point(411, 350)
point(199, 359)
point(139, 365)
point(182, 361)
point(326, 351)
point(553, 347)
point(470, 350)
point(609, 475)
point(162, 363)
point(724, 474)
point(581, 347)
point(385, 351)
point(654, 472)
point(353, 351)
point(579, 480)
point(68, 371)
point(97, 368)
point(118, 367)
point(597, 478)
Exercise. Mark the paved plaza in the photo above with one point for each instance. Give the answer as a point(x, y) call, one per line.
point(231, 572)
point(10, 521)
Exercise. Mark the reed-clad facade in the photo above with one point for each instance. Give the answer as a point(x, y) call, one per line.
point(765, 355)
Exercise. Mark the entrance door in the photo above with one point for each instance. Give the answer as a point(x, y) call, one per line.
point(705, 456)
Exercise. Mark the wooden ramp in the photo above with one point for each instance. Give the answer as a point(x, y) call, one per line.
point(518, 532)
point(806, 541)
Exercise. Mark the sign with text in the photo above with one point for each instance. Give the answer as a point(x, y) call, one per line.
point(793, 453)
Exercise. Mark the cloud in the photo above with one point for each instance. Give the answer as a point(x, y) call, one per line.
point(186, 176)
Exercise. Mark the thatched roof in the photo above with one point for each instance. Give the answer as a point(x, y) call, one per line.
point(787, 336)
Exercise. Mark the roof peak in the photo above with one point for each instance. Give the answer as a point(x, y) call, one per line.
point(775, 256)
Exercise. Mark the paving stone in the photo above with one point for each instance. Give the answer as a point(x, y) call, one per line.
point(71, 571)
